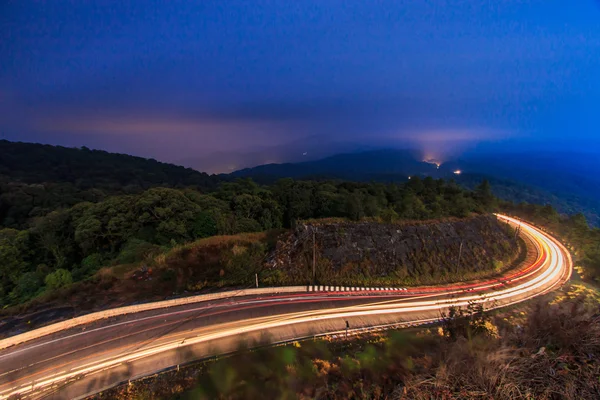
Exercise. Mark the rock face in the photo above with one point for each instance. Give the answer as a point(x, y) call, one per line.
point(356, 253)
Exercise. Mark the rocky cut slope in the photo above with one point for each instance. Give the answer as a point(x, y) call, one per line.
point(397, 253)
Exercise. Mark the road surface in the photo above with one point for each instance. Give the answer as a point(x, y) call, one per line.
point(87, 359)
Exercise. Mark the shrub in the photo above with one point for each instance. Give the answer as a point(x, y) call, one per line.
point(389, 215)
point(498, 265)
point(204, 225)
point(136, 250)
point(88, 267)
point(248, 225)
point(27, 287)
point(59, 278)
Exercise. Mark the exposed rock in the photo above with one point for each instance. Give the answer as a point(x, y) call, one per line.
point(349, 252)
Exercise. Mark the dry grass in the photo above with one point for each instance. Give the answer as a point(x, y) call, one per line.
point(555, 354)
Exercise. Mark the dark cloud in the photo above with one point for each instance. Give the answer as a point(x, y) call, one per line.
point(185, 80)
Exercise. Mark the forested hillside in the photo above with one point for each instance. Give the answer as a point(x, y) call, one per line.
point(569, 184)
point(515, 192)
point(71, 244)
point(36, 179)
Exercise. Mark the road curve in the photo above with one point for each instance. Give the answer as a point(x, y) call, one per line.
point(84, 360)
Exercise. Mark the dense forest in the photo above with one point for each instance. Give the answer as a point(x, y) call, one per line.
point(70, 244)
point(36, 179)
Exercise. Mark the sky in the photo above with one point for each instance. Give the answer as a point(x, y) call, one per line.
point(207, 83)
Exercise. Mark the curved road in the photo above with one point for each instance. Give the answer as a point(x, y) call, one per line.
point(85, 360)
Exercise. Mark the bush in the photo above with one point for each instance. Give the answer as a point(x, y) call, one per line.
point(59, 278)
point(498, 265)
point(88, 267)
point(28, 285)
point(248, 225)
point(389, 215)
point(136, 250)
point(204, 225)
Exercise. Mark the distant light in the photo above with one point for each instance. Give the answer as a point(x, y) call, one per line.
point(431, 160)
point(305, 153)
point(410, 177)
point(457, 172)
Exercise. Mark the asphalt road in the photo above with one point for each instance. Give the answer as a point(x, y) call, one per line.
point(85, 360)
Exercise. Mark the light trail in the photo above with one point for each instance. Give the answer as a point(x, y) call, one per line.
point(551, 269)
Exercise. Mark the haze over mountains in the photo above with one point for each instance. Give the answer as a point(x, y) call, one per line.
point(570, 182)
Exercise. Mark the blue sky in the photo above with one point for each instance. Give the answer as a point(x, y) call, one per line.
point(174, 80)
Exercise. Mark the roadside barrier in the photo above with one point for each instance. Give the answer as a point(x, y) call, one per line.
point(115, 312)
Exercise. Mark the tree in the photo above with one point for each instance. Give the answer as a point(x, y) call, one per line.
point(483, 194)
point(389, 215)
point(13, 255)
point(204, 225)
point(354, 207)
point(58, 279)
point(27, 287)
point(54, 234)
point(247, 206)
point(87, 233)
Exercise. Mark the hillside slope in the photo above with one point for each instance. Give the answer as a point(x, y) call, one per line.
point(398, 253)
point(85, 168)
point(353, 166)
point(36, 179)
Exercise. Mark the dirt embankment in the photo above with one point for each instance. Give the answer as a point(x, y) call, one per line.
point(419, 252)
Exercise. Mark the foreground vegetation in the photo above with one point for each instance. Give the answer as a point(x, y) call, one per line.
point(542, 351)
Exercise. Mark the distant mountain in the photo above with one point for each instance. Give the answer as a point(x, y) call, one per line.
point(307, 149)
point(84, 168)
point(37, 179)
point(353, 166)
point(569, 182)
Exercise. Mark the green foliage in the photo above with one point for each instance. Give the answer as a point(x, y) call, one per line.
point(14, 254)
point(58, 279)
point(136, 250)
point(89, 265)
point(132, 227)
point(36, 179)
point(466, 322)
point(389, 215)
point(28, 285)
point(498, 265)
point(204, 225)
point(244, 262)
point(483, 193)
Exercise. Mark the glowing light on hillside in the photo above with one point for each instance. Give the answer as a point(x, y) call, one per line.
point(431, 160)
point(457, 172)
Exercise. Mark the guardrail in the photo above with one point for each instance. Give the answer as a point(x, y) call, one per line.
point(96, 316)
